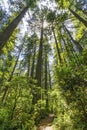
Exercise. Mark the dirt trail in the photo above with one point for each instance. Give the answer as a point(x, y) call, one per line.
point(46, 124)
point(45, 128)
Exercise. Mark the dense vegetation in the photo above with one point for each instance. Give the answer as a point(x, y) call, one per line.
point(43, 63)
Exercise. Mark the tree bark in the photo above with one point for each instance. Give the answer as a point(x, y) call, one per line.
point(78, 17)
point(33, 62)
point(57, 47)
point(39, 61)
point(78, 46)
point(5, 35)
point(69, 50)
point(46, 85)
point(28, 67)
point(50, 84)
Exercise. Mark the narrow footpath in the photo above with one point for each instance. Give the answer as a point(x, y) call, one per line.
point(46, 124)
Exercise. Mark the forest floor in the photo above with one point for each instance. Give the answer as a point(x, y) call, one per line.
point(46, 124)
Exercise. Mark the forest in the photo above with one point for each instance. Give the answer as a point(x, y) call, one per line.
point(43, 64)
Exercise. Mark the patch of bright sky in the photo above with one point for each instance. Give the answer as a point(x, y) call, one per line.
point(48, 3)
point(6, 4)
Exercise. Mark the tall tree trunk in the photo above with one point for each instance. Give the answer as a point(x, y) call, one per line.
point(45, 71)
point(77, 45)
point(46, 79)
point(78, 17)
point(50, 84)
point(28, 67)
point(64, 42)
point(33, 62)
point(62, 48)
point(66, 49)
point(57, 47)
point(69, 50)
point(39, 60)
point(5, 35)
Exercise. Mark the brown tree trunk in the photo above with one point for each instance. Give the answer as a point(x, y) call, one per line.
point(33, 62)
point(69, 50)
point(50, 84)
point(46, 79)
point(66, 49)
point(39, 60)
point(28, 67)
point(57, 47)
point(77, 45)
point(62, 48)
point(5, 35)
point(78, 17)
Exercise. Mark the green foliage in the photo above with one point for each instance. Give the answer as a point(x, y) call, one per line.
point(63, 3)
point(18, 111)
point(31, 3)
point(51, 17)
point(23, 104)
point(17, 106)
point(70, 97)
point(40, 111)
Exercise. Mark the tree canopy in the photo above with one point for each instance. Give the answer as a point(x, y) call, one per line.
point(43, 64)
